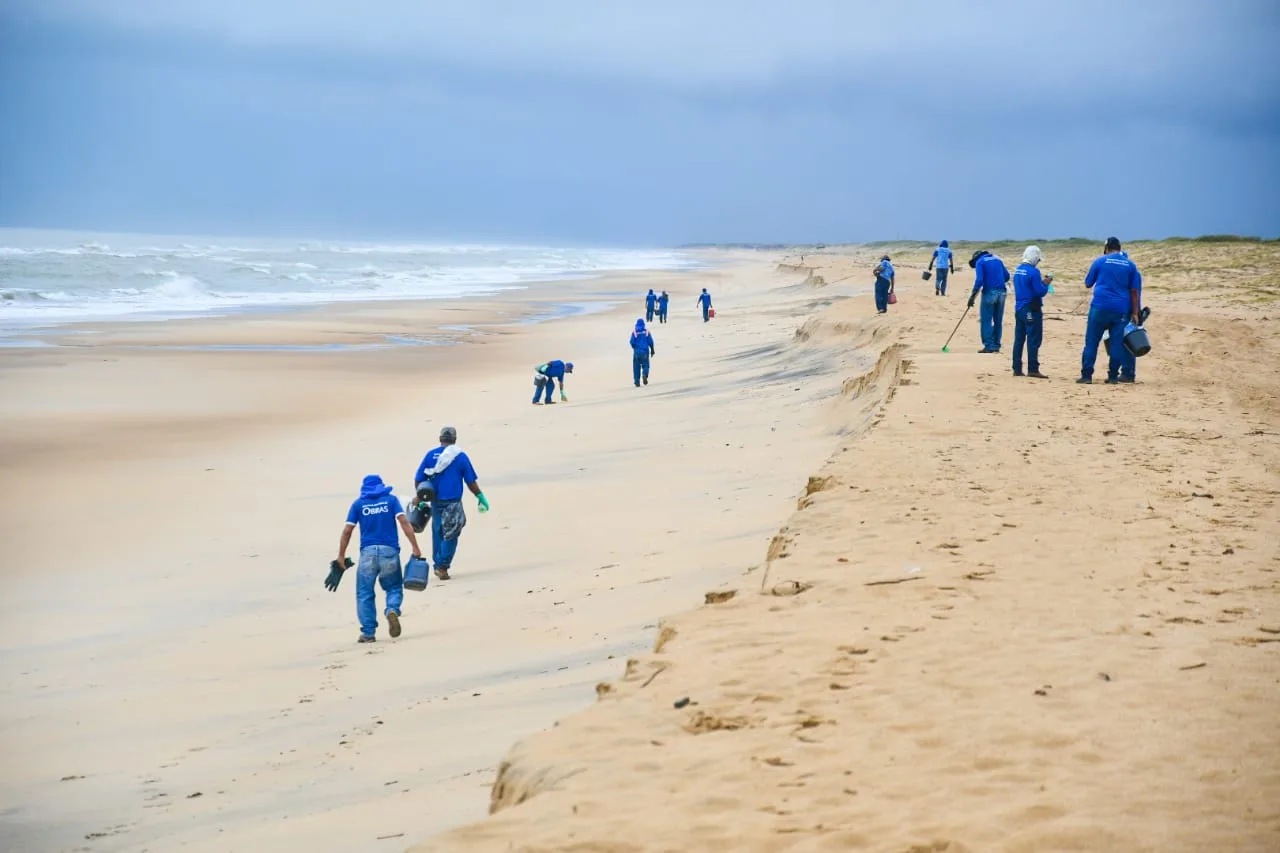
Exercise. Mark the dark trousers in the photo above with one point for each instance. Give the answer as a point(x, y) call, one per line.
point(1028, 328)
point(882, 295)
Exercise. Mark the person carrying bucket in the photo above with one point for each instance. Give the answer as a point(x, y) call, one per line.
point(446, 469)
point(1117, 301)
point(641, 350)
point(650, 304)
point(884, 283)
point(704, 301)
point(1029, 291)
point(945, 259)
point(544, 380)
point(991, 279)
point(378, 513)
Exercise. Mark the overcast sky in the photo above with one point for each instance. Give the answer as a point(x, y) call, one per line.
point(653, 122)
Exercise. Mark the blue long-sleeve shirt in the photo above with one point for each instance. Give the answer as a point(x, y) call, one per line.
point(662, 302)
point(885, 271)
point(1112, 276)
point(704, 299)
point(1028, 288)
point(650, 300)
point(554, 369)
point(990, 274)
point(642, 343)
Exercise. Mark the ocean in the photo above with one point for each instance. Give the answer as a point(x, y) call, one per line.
point(50, 278)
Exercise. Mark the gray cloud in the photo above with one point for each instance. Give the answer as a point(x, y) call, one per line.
point(1013, 47)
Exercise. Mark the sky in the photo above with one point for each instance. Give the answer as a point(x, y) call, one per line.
point(658, 122)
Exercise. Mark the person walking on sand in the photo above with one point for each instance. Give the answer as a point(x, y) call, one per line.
point(544, 379)
point(704, 300)
point(446, 469)
point(945, 259)
point(641, 350)
point(1117, 300)
point(377, 512)
point(884, 283)
point(650, 304)
point(663, 299)
point(1029, 291)
point(991, 278)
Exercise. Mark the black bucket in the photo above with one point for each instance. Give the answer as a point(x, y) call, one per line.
point(1137, 342)
point(926, 275)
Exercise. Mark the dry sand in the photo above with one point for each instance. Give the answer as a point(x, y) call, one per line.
point(1006, 614)
point(174, 674)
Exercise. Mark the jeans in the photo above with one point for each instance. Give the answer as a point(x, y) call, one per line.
point(640, 366)
point(991, 318)
point(442, 550)
point(1128, 361)
point(381, 564)
point(662, 315)
point(882, 294)
point(1102, 321)
point(706, 311)
point(1028, 328)
point(549, 387)
point(940, 283)
point(648, 314)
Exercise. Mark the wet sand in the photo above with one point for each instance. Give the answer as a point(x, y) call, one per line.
point(176, 676)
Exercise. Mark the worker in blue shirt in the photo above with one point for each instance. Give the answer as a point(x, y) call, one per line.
point(641, 350)
point(650, 304)
point(663, 299)
point(945, 259)
point(991, 278)
point(377, 512)
point(544, 379)
point(1128, 362)
point(704, 300)
point(1117, 300)
point(442, 473)
point(1029, 291)
point(884, 283)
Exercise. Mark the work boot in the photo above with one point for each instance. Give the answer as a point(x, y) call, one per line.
point(1017, 373)
point(393, 619)
point(646, 380)
point(1084, 380)
point(1128, 380)
point(1035, 374)
point(367, 638)
point(1111, 380)
point(442, 572)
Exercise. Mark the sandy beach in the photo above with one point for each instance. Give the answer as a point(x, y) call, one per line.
point(1004, 615)
point(819, 587)
point(176, 676)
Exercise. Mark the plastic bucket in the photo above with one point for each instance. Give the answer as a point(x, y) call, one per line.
point(926, 275)
point(1136, 341)
point(415, 574)
point(711, 312)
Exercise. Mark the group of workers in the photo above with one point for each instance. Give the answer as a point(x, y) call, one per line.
point(1115, 308)
point(439, 482)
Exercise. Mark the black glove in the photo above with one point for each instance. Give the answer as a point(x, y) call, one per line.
point(972, 296)
point(335, 574)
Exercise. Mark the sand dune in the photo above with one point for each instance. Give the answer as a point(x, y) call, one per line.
point(1005, 614)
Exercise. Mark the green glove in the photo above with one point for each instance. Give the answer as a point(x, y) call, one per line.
point(483, 501)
